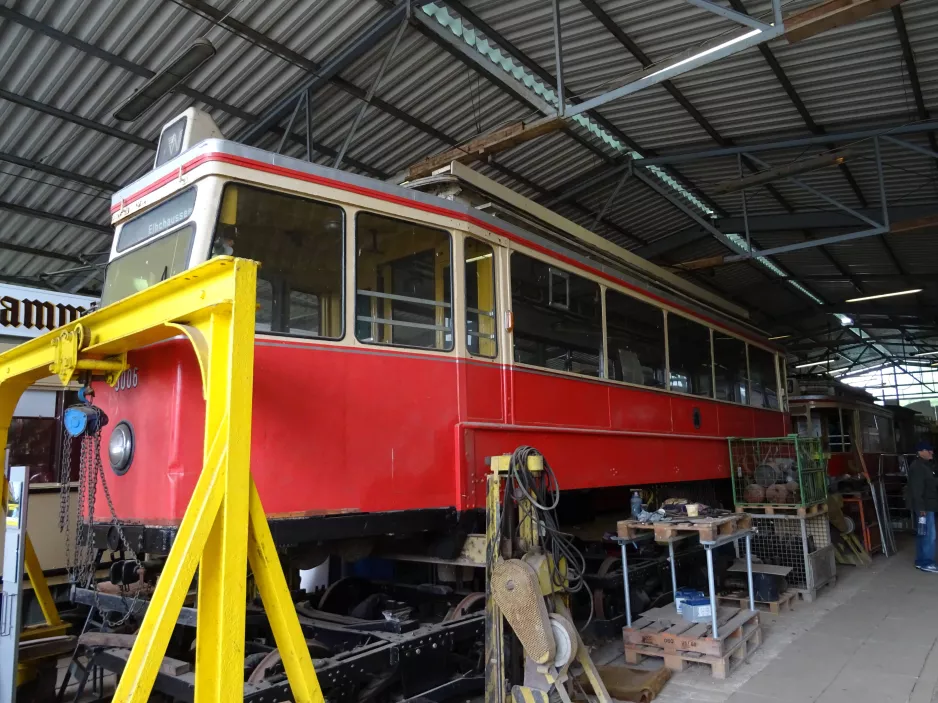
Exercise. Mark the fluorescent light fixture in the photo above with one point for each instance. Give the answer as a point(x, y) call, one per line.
point(479, 258)
point(926, 354)
point(845, 321)
point(812, 363)
point(884, 295)
point(166, 79)
point(781, 336)
point(706, 52)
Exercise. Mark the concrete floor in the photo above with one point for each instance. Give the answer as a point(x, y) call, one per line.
point(871, 637)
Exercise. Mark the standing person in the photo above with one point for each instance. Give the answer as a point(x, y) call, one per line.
point(923, 500)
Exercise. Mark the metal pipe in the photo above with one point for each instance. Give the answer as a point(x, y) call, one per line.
point(289, 129)
point(558, 58)
point(678, 66)
point(729, 14)
point(309, 126)
point(713, 590)
point(882, 183)
point(673, 569)
point(612, 196)
point(625, 583)
point(371, 94)
point(742, 191)
point(752, 596)
point(917, 128)
point(814, 191)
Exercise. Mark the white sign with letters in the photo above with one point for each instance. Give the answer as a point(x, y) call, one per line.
point(30, 312)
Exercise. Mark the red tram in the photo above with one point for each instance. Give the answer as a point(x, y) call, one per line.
point(848, 423)
point(405, 333)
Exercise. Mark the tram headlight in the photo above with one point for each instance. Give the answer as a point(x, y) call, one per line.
point(120, 448)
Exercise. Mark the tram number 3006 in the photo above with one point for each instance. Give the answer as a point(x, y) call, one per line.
point(127, 380)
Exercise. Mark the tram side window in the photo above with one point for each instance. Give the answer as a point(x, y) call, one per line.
point(403, 283)
point(480, 298)
point(764, 380)
point(558, 318)
point(299, 244)
point(689, 353)
point(729, 365)
point(635, 336)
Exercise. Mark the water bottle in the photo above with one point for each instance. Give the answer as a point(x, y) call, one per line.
point(636, 504)
point(922, 525)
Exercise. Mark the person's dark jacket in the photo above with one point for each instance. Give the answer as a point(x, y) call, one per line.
point(923, 486)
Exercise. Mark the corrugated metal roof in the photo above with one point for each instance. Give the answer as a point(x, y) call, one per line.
point(847, 78)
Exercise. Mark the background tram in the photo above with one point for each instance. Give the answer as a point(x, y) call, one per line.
point(406, 333)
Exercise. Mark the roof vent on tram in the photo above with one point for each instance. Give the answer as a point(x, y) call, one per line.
point(183, 132)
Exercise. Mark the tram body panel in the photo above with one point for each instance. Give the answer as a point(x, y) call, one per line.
point(348, 420)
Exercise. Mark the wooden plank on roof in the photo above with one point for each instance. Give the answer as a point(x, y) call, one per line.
point(831, 14)
point(480, 147)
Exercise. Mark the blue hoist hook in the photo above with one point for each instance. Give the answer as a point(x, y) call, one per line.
point(84, 418)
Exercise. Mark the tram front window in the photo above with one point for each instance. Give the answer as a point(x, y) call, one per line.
point(299, 244)
point(148, 265)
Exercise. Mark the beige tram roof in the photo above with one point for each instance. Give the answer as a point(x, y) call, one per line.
point(571, 230)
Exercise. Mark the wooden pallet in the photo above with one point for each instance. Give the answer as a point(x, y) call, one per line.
point(709, 528)
point(808, 595)
point(663, 633)
point(785, 602)
point(780, 509)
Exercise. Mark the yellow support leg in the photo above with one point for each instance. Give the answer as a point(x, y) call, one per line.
point(222, 574)
point(279, 606)
point(224, 524)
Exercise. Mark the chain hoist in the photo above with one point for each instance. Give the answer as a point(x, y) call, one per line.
point(83, 422)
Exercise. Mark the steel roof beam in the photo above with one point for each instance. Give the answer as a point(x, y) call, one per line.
point(119, 61)
point(45, 253)
point(322, 74)
point(58, 172)
point(76, 119)
point(678, 66)
point(64, 219)
point(796, 142)
point(143, 72)
point(669, 86)
point(796, 100)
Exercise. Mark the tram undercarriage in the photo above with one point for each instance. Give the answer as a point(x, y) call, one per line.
point(402, 619)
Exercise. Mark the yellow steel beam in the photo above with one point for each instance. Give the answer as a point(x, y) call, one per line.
point(213, 305)
point(40, 586)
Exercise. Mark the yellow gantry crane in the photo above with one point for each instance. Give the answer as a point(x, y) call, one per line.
point(224, 527)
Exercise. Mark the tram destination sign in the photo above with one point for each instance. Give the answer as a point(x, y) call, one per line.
point(30, 312)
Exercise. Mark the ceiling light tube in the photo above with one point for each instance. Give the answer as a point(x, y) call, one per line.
point(884, 295)
point(812, 363)
point(931, 353)
point(165, 80)
point(781, 336)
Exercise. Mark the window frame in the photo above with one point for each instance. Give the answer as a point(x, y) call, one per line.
point(276, 313)
point(495, 295)
point(688, 394)
point(664, 338)
point(554, 266)
point(713, 361)
point(667, 312)
point(188, 223)
point(452, 283)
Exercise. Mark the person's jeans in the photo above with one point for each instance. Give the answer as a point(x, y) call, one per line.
point(925, 545)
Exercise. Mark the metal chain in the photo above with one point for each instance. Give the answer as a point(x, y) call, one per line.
point(81, 568)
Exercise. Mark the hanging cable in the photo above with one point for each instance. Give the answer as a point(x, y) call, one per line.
point(542, 492)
